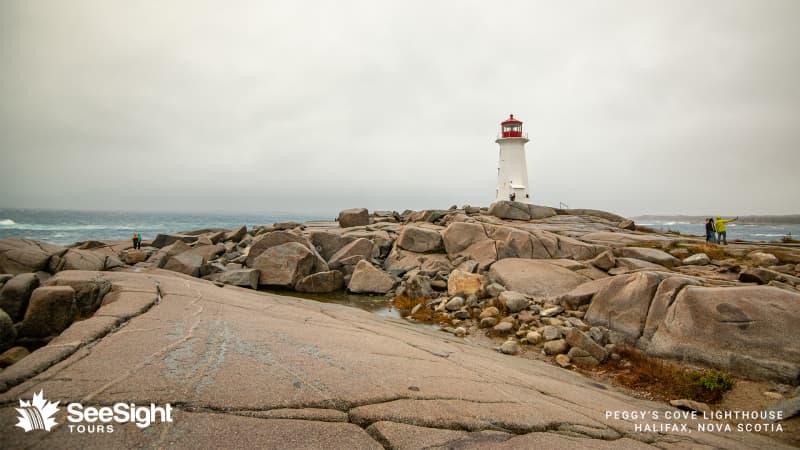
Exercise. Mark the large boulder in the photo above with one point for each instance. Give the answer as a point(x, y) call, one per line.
point(26, 255)
point(50, 311)
point(471, 241)
point(163, 240)
point(652, 255)
point(535, 277)
point(238, 277)
point(763, 259)
point(749, 330)
point(327, 243)
point(285, 264)
point(662, 300)
point(8, 334)
point(185, 263)
point(90, 289)
point(273, 239)
point(160, 257)
point(465, 283)
point(15, 294)
point(420, 240)
point(368, 279)
point(605, 260)
point(354, 217)
point(351, 253)
point(400, 261)
point(623, 303)
point(77, 260)
point(513, 243)
point(237, 234)
point(321, 282)
point(207, 252)
point(506, 209)
point(582, 295)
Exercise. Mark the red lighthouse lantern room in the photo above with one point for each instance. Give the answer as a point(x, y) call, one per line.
point(511, 127)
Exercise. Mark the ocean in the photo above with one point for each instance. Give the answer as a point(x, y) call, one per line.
point(68, 227)
point(736, 230)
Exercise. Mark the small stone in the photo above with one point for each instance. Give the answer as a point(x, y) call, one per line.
point(503, 327)
point(416, 309)
point(513, 301)
point(699, 259)
point(551, 333)
point(455, 304)
point(488, 322)
point(563, 360)
point(510, 347)
point(489, 312)
point(550, 312)
point(556, 347)
point(773, 395)
point(533, 337)
point(461, 314)
point(580, 356)
point(494, 289)
point(460, 332)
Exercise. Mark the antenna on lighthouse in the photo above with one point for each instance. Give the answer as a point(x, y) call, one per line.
point(512, 169)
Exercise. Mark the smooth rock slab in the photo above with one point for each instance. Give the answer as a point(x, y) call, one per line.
point(746, 330)
point(534, 277)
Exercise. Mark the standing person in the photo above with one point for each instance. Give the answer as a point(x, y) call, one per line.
point(710, 231)
point(139, 241)
point(135, 240)
point(722, 235)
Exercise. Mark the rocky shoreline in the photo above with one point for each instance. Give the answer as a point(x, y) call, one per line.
point(574, 285)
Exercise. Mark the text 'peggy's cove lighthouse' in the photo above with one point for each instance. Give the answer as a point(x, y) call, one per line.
point(512, 169)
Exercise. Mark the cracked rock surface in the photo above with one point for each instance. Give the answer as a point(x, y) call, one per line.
point(244, 369)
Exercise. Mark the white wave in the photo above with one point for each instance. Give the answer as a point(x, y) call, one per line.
point(7, 222)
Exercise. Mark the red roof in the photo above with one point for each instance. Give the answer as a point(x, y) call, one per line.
point(510, 119)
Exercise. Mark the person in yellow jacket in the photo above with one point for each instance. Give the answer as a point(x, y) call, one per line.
point(722, 234)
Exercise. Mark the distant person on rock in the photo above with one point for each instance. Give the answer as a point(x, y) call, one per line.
point(135, 240)
point(138, 241)
point(722, 235)
point(710, 231)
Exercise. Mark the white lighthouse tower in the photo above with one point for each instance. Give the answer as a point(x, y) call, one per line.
point(512, 170)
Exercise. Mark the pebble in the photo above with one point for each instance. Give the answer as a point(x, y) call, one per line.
point(510, 347)
point(454, 304)
point(460, 332)
point(503, 327)
point(550, 312)
point(563, 360)
point(534, 337)
point(551, 333)
point(488, 322)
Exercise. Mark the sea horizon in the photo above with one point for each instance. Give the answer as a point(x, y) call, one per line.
point(66, 227)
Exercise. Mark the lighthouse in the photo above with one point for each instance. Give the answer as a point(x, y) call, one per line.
point(512, 170)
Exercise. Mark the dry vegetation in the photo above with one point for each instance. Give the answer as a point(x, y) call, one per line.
point(664, 380)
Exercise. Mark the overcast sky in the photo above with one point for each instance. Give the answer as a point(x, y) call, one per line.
point(631, 106)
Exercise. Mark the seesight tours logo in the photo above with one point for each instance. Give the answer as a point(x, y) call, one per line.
point(39, 414)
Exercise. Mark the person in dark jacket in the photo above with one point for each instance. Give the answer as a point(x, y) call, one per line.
point(710, 231)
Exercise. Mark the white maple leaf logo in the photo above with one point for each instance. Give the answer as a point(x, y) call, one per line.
point(37, 414)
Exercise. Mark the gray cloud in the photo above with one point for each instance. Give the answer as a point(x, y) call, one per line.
point(632, 106)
